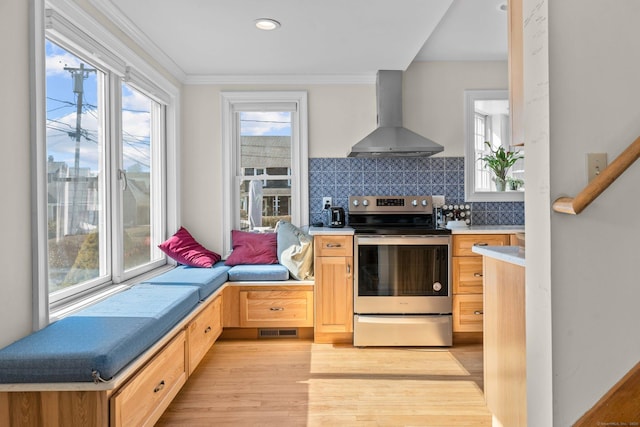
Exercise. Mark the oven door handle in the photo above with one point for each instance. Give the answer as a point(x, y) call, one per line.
point(403, 240)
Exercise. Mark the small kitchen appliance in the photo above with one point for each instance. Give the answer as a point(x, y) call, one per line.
point(336, 217)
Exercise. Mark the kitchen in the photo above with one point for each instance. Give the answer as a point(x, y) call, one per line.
point(344, 113)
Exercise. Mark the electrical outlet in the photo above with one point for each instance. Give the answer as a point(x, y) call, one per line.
point(326, 202)
point(596, 162)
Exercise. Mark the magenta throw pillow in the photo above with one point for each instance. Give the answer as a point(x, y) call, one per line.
point(186, 250)
point(253, 248)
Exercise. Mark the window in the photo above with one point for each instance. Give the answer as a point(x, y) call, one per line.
point(487, 120)
point(265, 160)
point(104, 157)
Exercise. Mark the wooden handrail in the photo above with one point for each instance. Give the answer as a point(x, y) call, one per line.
point(600, 183)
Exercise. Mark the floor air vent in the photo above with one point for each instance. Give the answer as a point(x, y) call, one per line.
point(278, 333)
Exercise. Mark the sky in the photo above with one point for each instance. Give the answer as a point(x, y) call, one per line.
point(61, 115)
point(271, 123)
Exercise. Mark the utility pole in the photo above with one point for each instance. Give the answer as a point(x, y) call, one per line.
point(79, 75)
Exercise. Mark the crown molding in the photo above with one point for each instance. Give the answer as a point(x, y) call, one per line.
point(108, 9)
point(282, 79)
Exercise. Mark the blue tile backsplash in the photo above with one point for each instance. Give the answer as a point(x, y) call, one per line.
point(340, 178)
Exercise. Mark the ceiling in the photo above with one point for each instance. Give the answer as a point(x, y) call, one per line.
point(217, 39)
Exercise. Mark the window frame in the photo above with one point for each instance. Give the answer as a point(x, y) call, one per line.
point(233, 101)
point(471, 195)
point(65, 23)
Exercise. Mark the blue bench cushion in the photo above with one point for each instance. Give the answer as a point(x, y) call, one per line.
point(99, 340)
point(258, 272)
point(208, 280)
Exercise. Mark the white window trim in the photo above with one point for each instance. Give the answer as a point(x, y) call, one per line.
point(471, 195)
point(105, 48)
point(299, 154)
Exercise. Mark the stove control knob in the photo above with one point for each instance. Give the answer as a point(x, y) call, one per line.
point(365, 202)
point(414, 203)
point(424, 203)
point(437, 286)
point(356, 202)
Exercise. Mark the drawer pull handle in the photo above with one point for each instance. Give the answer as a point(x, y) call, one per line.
point(277, 309)
point(159, 387)
point(477, 274)
point(334, 245)
point(478, 312)
point(206, 331)
point(480, 244)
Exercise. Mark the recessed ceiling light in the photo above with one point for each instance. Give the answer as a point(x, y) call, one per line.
point(267, 24)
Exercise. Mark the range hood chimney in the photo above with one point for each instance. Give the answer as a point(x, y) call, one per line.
point(390, 139)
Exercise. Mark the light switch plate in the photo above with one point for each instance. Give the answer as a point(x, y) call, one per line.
point(596, 162)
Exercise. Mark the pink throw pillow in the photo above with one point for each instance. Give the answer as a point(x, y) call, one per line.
point(186, 250)
point(253, 248)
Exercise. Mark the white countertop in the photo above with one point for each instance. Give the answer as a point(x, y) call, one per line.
point(489, 229)
point(511, 254)
point(331, 231)
point(475, 229)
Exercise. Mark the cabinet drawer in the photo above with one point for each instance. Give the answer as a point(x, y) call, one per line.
point(467, 275)
point(276, 308)
point(143, 399)
point(468, 313)
point(462, 243)
point(203, 331)
point(333, 245)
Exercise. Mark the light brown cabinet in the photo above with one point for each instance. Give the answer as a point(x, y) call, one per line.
point(276, 308)
point(143, 399)
point(203, 331)
point(505, 365)
point(333, 267)
point(467, 273)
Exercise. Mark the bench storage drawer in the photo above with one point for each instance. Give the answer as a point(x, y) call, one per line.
point(203, 332)
point(143, 399)
point(275, 308)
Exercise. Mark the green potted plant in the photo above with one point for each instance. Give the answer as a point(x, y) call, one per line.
point(499, 161)
point(514, 183)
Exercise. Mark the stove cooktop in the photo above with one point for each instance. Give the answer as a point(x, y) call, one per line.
point(393, 215)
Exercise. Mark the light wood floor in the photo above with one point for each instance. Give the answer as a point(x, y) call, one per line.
point(287, 382)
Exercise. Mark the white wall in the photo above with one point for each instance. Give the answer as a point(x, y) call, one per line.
point(593, 92)
point(15, 252)
point(434, 97)
point(538, 216)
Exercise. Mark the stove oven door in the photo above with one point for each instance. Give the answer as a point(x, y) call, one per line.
point(402, 274)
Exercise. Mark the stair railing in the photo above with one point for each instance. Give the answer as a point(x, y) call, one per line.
point(575, 205)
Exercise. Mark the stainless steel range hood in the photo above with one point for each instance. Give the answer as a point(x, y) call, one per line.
point(390, 139)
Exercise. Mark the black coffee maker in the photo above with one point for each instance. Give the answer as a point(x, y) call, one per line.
point(336, 217)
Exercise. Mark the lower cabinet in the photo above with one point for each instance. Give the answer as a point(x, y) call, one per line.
point(267, 306)
point(333, 270)
point(275, 308)
point(467, 274)
point(143, 399)
point(203, 331)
